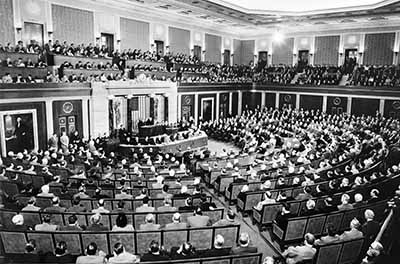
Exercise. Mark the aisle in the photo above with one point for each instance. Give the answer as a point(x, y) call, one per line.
point(246, 226)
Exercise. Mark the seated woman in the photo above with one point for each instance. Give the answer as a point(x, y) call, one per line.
point(121, 223)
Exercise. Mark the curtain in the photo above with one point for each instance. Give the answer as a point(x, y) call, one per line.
point(72, 25)
point(326, 50)
point(179, 40)
point(134, 34)
point(282, 53)
point(379, 48)
point(213, 48)
point(7, 22)
point(247, 51)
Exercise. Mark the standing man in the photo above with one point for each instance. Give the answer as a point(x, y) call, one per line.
point(64, 141)
point(53, 142)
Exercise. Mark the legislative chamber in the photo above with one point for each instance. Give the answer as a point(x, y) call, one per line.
point(204, 132)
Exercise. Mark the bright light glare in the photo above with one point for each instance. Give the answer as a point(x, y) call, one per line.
point(278, 37)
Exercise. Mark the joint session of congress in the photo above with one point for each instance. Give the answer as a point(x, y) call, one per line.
point(200, 131)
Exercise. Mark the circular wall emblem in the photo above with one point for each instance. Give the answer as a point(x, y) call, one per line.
point(287, 98)
point(68, 107)
point(187, 100)
point(396, 105)
point(337, 101)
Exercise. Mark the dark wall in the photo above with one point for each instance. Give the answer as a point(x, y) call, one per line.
point(287, 99)
point(363, 106)
point(235, 105)
point(392, 108)
point(270, 99)
point(311, 102)
point(223, 104)
point(251, 100)
point(187, 106)
point(41, 117)
point(336, 104)
point(60, 109)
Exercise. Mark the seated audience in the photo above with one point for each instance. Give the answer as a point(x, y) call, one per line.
point(185, 251)
point(93, 256)
point(176, 222)
point(243, 246)
point(331, 237)
point(299, 254)
point(155, 253)
point(198, 219)
point(149, 224)
point(218, 249)
point(354, 231)
point(46, 225)
point(121, 256)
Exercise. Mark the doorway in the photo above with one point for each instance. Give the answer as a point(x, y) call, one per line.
point(336, 110)
point(207, 106)
point(197, 52)
point(350, 60)
point(33, 33)
point(227, 57)
point(107, 40)
point(159, 47)
point(302, 61)
point(262, 59)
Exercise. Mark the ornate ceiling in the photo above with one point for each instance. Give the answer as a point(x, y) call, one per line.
point(248, 20)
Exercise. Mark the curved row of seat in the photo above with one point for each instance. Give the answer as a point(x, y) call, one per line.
point(108, 219)
point(136, 242)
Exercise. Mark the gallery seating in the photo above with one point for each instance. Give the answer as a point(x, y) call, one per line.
point(339, 253)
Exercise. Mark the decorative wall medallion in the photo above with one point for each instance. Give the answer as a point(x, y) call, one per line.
point(396, 105)
point(287, 98)
point(68, 107)
point(337, 101)
point(187, 100)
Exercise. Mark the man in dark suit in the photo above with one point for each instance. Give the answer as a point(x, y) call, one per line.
point(371, 227)
point(155, 253)
point(218, 249)
point(243, 247)
point(283, 216)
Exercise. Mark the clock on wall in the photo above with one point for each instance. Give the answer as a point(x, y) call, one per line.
point(68, 107)
point(287, 98)
point(337, 101)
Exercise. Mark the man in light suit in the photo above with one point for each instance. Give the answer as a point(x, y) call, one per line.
point(149, 224)
point(332, 237)
point(198, 219)
point(123, 195)
point(243, 248)
point(176, 222)
point(229, 220)
point(145, 208)
point(167, 207)
point(301, 253)
point(353, 233)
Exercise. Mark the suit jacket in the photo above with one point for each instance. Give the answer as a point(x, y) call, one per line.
point(327, 240)
point(90, 260)
point(145, 209)
point(151, 257)
point(149, 227)
point(176, 226)
point(370, 229)
point(198, 221)
point(243, 250)
point(298, 254)
point(350, 235)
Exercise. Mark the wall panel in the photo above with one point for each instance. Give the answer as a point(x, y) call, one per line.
point(392, 108)
point(287, 100)
point(336, 104)
point(247, 51)
point(59, 111)
point(179, 40)
point(251, 100)
point(326, 50)
point(73, 25)
point(364, 106)
point(379, 48)
point(213, 48)
point(270, 100)
point(311, 102)
point(6, 22)
point(235, 99)
point(134, 34)
point(237, 46)
point(282, 53)
point(187, 106)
